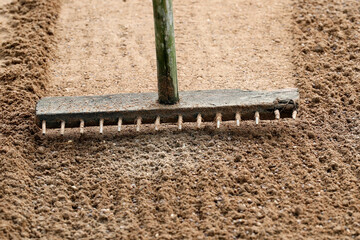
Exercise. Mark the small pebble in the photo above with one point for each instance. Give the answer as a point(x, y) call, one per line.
point(41, 150)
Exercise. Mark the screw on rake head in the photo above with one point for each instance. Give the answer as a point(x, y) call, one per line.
point(101, 126)
point(157, 123)
point(198, 120)
point(257, 118)
point(294, 114)
point(238, 119)
point(277, 114)
point(43, 127)
point(62, 128)
point(119, 124)
point(218, 120)
point(82, 126)
point(180, 122)
point(138, 124)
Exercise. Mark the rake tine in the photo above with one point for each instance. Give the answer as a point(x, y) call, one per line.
point(82, 126)
point(218, 120)
point(157, 123)
point(101, 126)
point(180, 122)
point(62, 128)
point(277, 114)
point(294, 114)
point(138, 124)
point(198, 120)
point(238, 119)
point(43, 127)
point(119, 124)
point(257, 118)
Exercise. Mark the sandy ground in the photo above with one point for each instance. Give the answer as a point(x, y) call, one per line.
point(284, 180)
point(4, 32)
point(108, 46)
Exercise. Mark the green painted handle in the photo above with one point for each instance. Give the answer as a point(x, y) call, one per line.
point(165, 52)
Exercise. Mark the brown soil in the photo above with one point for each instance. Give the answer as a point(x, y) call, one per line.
point(108, 46)
point(292, 179)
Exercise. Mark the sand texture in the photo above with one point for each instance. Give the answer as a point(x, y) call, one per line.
point(107, 47)
point(276, 180)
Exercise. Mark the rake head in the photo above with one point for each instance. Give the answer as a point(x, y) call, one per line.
point(143, 108)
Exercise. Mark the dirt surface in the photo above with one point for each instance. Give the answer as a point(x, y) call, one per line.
point(292, 179)
point(108, 47)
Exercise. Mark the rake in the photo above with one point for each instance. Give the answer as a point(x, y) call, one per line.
point(169, 105)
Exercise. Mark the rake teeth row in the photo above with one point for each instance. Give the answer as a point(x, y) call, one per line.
point(141, 108)
point(199, 121)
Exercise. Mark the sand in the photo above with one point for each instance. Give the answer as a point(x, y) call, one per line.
point(107, 47)
point(278, 180)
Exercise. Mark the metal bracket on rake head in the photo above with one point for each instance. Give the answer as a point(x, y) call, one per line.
point(137, 108)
